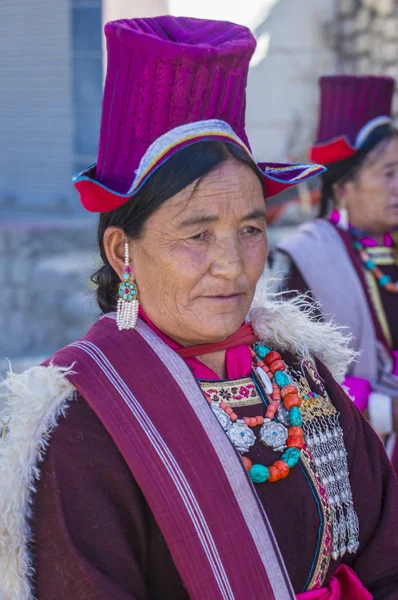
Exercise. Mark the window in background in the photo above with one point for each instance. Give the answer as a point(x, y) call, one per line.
point(86, 80)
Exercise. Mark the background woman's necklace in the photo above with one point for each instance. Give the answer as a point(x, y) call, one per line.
point(285, 402)
point(383, 280)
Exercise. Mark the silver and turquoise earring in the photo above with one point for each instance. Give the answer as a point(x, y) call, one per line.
point(127, 304)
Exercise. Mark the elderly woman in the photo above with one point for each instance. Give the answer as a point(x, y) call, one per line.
point(348, 258)
point(182, 449)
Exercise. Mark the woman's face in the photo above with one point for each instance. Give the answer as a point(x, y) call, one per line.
point(201, 255)
point(372, 198)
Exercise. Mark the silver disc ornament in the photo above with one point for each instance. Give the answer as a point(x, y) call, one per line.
point(222, 417)
point(274, 435)
point(241, 436)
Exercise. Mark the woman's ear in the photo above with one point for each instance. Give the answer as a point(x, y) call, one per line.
point(114, 246)
point(340, 194)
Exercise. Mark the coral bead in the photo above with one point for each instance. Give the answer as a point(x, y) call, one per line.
point(223, 405)
point(288, 389)
point(292, 400)
point(233, 417)
point(283, 468)
point(277, 365)
point(247, 463)
point(260, 420)
point(274, 474)
point(296, 431)
point(271, 357)
point(295, 441)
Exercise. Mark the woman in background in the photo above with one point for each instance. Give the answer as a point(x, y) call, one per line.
point(348, 258)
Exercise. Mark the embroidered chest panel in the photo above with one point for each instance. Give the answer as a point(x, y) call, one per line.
point(236, 393)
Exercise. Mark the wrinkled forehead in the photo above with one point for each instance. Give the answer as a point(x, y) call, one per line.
point(231, 186)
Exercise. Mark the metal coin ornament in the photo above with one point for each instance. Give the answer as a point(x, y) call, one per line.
point(274, 435)
point(222, 417)
point(241, 436)
point(283, 416)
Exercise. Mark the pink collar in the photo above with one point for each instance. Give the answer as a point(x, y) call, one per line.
point(238, 360)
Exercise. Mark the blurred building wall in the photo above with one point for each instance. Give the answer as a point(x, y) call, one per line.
point(51, 70)
point(282, 92)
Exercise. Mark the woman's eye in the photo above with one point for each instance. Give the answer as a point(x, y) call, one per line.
point(199, 236)
point(252, 230)
point(390, 173)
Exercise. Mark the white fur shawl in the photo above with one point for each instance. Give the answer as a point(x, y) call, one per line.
point(40, 395)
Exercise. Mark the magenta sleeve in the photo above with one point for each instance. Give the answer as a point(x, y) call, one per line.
point(359, 390)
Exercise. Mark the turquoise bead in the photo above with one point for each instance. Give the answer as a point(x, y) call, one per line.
point(281, 379)
point(259, 473)
point(124, 296)
point(129, 297)
point(369, 264)
point(384, 279)
point(262, 350)
point(357, 245)
point(295, 417)
point(291, 456)
point(126, 275)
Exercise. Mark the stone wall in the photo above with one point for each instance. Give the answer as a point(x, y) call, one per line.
point(46, 298)
point(366, 38)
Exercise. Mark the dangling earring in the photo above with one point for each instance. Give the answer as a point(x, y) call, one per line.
point(127, 304)
point(343, 218)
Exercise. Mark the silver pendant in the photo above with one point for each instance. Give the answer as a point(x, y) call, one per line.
point(273, 435)
point(283, 415)
point(241, 436)
point(222, 417)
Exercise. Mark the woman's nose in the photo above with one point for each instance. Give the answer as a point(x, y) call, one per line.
point(228, 259)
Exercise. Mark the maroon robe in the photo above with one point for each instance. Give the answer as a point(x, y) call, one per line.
point(96, 538)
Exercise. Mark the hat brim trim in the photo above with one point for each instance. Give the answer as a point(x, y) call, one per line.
point(96, 197)
point(333, 151)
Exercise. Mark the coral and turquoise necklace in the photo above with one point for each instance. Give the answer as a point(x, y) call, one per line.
point(285, 435)
point(383, 280)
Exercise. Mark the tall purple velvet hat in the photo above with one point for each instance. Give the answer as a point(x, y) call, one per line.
point(352, 107)
point(171, 82)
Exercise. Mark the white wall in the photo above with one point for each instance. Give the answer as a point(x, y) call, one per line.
point(292, 53)
point(128, 9)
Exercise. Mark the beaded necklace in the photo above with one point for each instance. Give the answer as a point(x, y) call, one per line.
point(286, 435)
point(383, 280)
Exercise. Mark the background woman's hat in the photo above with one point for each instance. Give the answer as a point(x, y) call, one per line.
point(171, 82)
point(351, 108)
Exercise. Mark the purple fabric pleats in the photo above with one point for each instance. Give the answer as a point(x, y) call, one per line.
point(163, 73)
point(348, 102)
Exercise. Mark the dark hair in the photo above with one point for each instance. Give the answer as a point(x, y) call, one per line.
point(349, 168)
point(180, 170)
